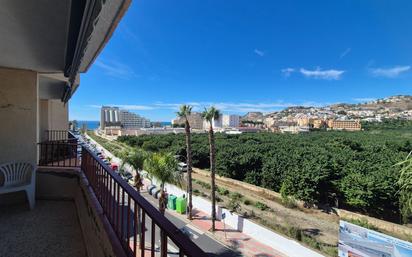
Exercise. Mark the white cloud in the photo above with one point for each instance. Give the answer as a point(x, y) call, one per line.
point(389, 72)
point(287, 71)
point(344, 53)
point(322, 74)
point(259, 52)
point(116, 69)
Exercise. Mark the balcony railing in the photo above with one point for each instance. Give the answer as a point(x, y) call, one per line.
point(59, 150)
point(130, 215)
point(59, 135)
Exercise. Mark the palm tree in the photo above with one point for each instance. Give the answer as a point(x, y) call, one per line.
point(211, 115)
point(164, 167)
point(135, 159)
point(184, 113)
point(405, 191)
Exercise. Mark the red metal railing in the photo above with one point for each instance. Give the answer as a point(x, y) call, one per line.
point(141, 229)
point(60, 150)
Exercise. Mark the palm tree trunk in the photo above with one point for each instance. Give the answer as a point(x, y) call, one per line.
point(212, 174)
point(162, 199)
point(189, 169)
point(162, 209)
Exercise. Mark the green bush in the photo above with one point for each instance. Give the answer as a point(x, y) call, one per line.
point(261, 206)
point(235, 195)
point(222, 191)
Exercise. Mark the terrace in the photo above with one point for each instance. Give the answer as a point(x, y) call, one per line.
point(82, 207)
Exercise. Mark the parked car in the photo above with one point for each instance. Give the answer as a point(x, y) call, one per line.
point(114, 166)
point(182, 166)
point(128, 175)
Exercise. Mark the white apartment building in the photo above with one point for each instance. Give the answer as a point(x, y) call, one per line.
point(230, 121)
point(217, 123)
point(130, 120)
point(109, 117)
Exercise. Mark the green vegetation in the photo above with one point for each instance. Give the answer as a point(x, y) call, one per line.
point(301, 235)
point(388, 124)
point(113, 147)
point(164, 168)
point(222, 191)
point(203, 184)
point(354, 169)
point(405, 188)
point(261, 206)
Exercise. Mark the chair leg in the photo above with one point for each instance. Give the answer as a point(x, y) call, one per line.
point(31, 198)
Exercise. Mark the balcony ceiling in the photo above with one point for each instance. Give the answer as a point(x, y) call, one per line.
point(34, 34)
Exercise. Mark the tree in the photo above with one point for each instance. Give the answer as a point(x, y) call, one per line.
point(184, 112)
point(163, 166)
point(135, 159)
point(405, 191)
point(211, 115)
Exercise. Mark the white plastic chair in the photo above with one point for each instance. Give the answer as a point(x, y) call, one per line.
point(19, 176)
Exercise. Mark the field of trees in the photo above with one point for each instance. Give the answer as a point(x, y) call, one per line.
point(354, 170)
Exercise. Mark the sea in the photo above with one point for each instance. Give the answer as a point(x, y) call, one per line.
point(94, 124)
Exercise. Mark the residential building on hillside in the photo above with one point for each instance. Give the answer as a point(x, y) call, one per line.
point(350, 125)
point(319, 123)
point(230, 120)
point(303, 121)
point(269, 121)
point(130, 120)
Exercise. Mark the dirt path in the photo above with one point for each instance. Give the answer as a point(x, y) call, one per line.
point(322, 226)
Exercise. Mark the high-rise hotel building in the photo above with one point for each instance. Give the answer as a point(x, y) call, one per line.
point(109, 117)
point(115, 117)
point(130, 120)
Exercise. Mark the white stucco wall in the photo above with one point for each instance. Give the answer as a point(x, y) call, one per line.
point(18, 112)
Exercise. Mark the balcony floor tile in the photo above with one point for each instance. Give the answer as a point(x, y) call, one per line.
point(50, 229)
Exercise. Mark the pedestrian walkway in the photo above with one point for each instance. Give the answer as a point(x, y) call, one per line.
point(230, 237)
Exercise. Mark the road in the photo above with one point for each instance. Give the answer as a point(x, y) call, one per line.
point(206, 243)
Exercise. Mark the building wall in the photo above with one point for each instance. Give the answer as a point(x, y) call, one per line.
point(109, 116)
point(130, 120)
point(58, 115)
point(19, 112)
point(231, 121)
point(43, 119)
point(53, 115)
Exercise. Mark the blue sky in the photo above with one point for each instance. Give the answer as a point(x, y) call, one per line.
point(249, 56)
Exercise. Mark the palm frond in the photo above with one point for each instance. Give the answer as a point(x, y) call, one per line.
point(164, 167)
